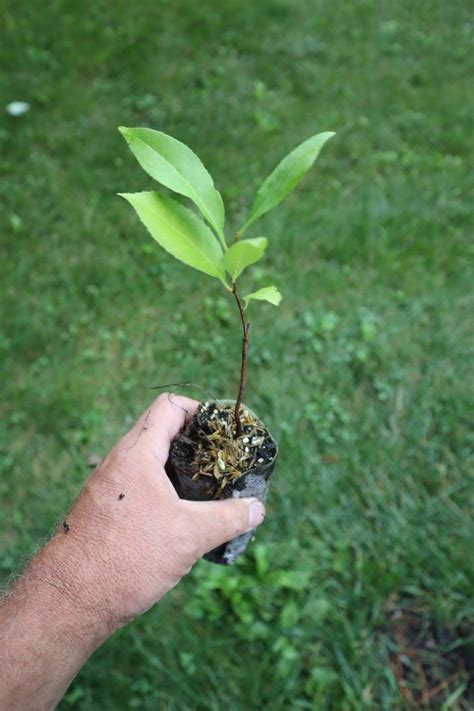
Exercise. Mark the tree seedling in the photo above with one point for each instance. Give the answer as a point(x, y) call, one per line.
point(199, 240)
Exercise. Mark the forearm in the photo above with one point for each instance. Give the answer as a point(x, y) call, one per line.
point(49, 627)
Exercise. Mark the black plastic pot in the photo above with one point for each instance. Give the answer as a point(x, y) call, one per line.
point(253, 482)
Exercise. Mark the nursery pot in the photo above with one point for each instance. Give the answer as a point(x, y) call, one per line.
point(253, 481)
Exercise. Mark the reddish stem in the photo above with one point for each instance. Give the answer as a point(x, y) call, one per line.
point(243, 366)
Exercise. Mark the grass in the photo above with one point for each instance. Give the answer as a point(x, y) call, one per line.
point(364, 375)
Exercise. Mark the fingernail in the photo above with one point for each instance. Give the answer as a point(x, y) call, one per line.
point(256, 513)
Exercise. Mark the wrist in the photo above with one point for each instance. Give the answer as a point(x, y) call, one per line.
point(65, 603)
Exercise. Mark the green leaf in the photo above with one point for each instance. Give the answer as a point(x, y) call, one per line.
point(178, 230)
point(176, 166)
point(286, 176)
point(268, 293)
point(243, 253)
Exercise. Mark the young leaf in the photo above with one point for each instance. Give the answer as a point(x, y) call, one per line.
point(286, 176)
point(268, 293)
point(174, 165)
point(178, 230)
point(243, 253)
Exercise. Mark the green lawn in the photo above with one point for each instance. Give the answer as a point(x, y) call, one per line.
point(364, 374)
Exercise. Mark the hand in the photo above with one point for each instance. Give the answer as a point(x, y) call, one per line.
point(137, 538)
point(126, 541)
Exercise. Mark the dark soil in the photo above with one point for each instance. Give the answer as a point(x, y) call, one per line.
point(430, 661)
point(209, 452)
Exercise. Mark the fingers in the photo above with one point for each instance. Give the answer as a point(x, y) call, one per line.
point(216, 522)
point(162, 421)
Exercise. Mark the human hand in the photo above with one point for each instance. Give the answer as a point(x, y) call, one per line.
point(135, 537)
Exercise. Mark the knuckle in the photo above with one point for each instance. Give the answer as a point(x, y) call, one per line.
point(162, 398)
point(118, 455)
point(116, 464)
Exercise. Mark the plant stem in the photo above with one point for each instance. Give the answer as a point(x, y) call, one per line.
point(243, 366)
point(222, 241)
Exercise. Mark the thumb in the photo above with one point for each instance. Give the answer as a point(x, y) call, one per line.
point(216, 522)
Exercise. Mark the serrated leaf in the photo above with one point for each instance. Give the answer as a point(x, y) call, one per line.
point(268, 293)
point(286, 176)
point(176, 166)
point(179, 231)
point(243, 253)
